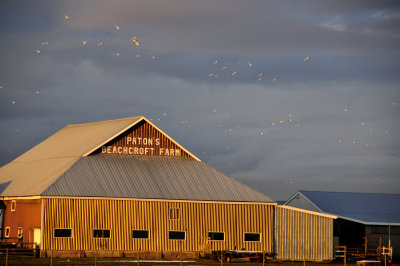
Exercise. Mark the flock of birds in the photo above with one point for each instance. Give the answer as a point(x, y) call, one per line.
point(224, 70)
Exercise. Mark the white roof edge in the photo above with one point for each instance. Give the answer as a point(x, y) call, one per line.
point(103, 121)
point(290, 199)
point(140, 118)
point(309, 201)
point(367, 223)
point(309, 212)
point(171, 139)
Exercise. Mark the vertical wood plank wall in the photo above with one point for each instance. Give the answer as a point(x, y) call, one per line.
point(303, 235)
point(123, 216)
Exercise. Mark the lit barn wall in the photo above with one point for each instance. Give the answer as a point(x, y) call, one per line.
point(302, 235)
point(124, 215)
point(24, 214)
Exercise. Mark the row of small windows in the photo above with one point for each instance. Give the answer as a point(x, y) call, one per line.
point(8, 230)
point(144, 234)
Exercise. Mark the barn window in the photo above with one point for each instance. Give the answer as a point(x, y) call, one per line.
point(20, 233)
point(216, 236)
point(177, 235)
point(140, 234)
point(101, 233)
point(13, 205)
point(7, 232)
point(252, 237)
point(174, 214)
point(62, 232)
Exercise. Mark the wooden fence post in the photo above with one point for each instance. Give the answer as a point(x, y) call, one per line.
point(181, 252)
point(138, 257)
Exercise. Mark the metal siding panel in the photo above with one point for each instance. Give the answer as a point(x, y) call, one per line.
point(121, 216)
point(303, 235)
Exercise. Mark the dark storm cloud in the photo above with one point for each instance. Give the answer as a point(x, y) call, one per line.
point(237, 124)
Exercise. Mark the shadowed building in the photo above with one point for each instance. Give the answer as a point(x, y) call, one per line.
point(374, 216)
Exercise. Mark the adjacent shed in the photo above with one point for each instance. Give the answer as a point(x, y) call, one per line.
point(363, 218)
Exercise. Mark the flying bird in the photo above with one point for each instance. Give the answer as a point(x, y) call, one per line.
point(100, 44)
point(84, 42)
point(135, 40)
point(250, 64)
point(215, 62)
point(307, 59)
point(66, 17)
point(116, 27)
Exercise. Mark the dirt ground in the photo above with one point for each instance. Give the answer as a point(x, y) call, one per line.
point(122, 261)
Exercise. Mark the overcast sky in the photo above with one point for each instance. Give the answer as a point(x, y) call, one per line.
point(227, 79)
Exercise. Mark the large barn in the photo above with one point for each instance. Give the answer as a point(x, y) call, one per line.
point(112, 188)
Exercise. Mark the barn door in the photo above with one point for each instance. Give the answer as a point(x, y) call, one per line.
point(36, 236)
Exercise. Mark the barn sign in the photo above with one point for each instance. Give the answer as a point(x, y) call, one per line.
point(144, 139)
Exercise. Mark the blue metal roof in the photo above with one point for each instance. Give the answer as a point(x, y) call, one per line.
point(367, 208)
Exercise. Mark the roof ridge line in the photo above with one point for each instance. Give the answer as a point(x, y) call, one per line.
point(104, 121)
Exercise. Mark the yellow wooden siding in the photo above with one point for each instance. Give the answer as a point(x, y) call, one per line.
point(123, 216)
point(300, 235)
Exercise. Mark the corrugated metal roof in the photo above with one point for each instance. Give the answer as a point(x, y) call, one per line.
point(150, 177)
point(367, 208)
point(35, 170)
